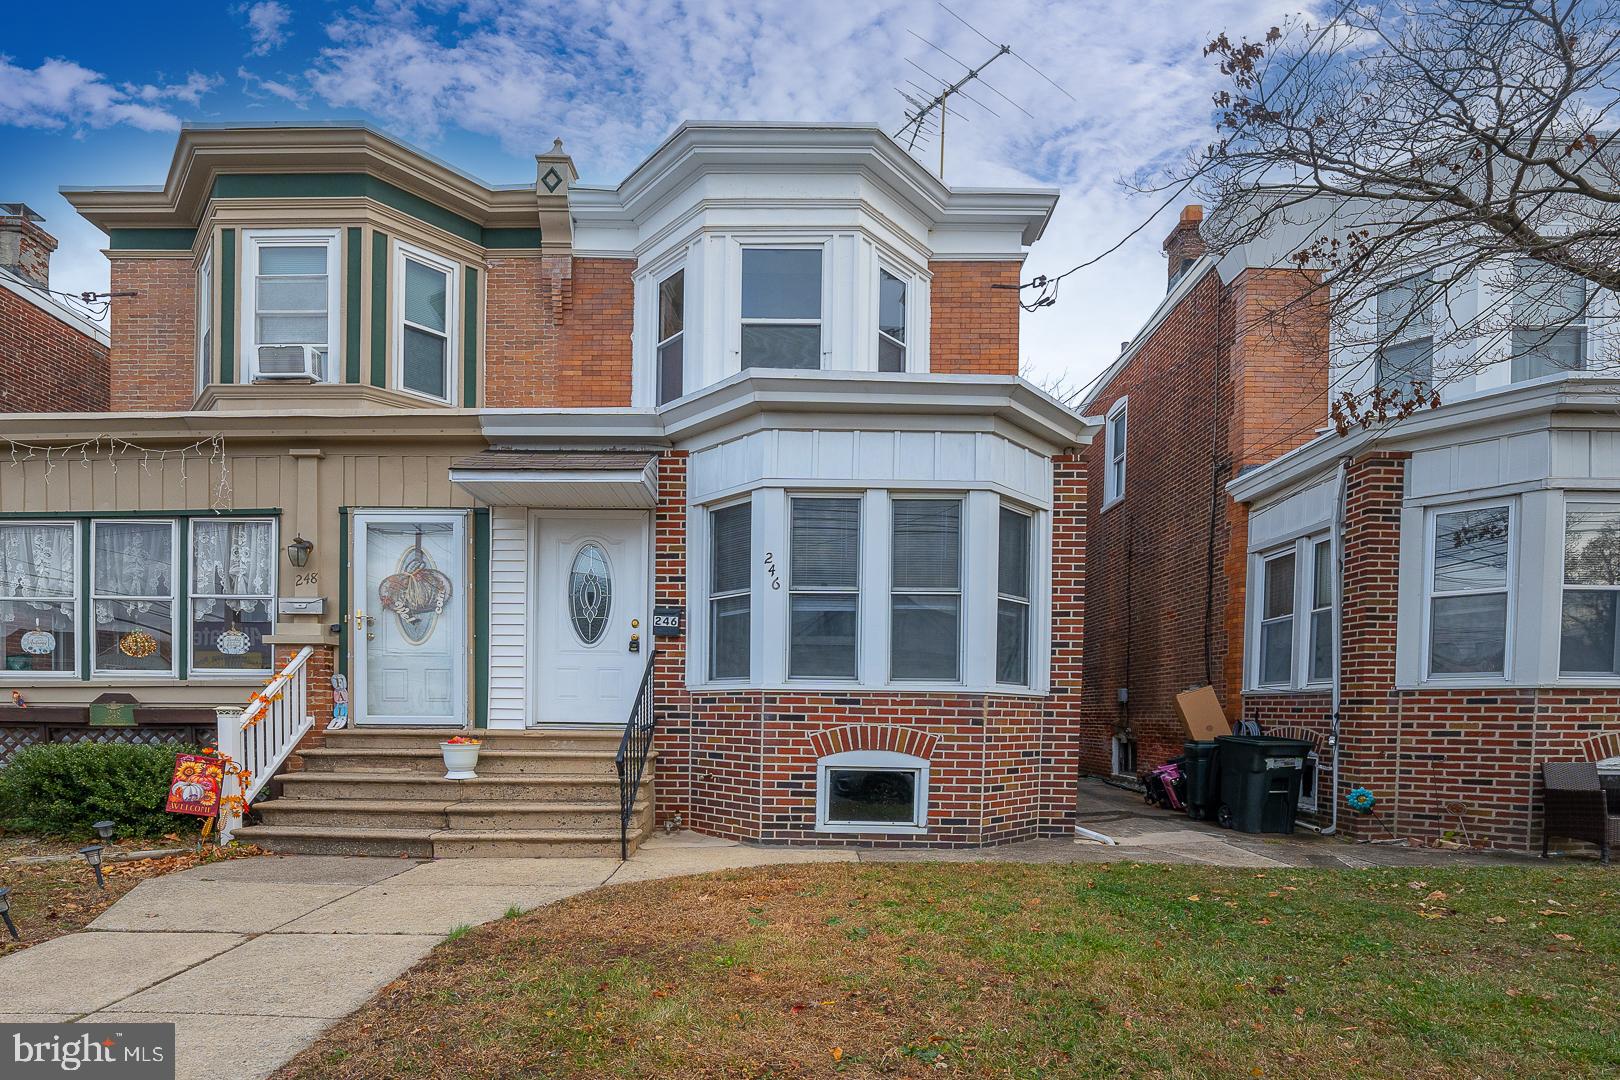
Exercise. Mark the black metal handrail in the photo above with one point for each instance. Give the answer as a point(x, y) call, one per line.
point(631, 760)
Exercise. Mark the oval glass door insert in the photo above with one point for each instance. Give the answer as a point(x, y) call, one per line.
point(590, 593)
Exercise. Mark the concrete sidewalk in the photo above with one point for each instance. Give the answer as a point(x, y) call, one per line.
point(252, 959)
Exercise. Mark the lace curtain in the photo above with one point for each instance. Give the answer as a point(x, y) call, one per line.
point(233, 564)
point(35, 561)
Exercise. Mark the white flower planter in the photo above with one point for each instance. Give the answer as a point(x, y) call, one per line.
point(459, 760)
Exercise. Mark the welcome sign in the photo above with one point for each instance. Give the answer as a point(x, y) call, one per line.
point(194, 787)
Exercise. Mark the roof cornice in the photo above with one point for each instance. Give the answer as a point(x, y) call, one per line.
point(695, 149)
point(204, 153)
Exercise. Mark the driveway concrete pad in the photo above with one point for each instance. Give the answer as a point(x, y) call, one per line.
point(173, 903)
point(328, 975)
point(251, 1048)
point(410, 909)
point(80, 973)
point(538, 873)
point(300, 870)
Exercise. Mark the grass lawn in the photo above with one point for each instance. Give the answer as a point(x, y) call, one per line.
point(52, 899)
point(1019, 971)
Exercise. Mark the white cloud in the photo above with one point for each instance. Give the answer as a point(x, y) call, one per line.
point(614, 76)
point(60, 94)
point(257, 86)
point(267, 26)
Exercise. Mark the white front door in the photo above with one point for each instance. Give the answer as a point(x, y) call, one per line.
point(409, 632)
point(591, 596)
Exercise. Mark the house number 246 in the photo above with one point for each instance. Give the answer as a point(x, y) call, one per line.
point(770, 568)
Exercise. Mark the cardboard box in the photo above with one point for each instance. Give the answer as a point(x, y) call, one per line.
point(1200, 711)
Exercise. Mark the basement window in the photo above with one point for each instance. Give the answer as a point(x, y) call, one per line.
point(868, 791)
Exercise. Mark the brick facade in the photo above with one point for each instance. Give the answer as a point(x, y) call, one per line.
point(1234, 375)
point(154, 334)
point(558, 332)
point(1457, 764)
point(973, 326)
point(742, 764)
point(47, 365)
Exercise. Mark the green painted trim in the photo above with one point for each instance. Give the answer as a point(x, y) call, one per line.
point(86, 515)
point(469, 342)
point(225, 271)
point(351, 312)
point(344, 627)
point(87, 621)
point(362, 185)
point(151, 239)
point(180, 613)
point(379, 309)
point(511, 238)
point(482, 553)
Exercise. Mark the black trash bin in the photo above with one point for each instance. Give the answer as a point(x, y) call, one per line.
point(1259, 782)
point(1202, 779)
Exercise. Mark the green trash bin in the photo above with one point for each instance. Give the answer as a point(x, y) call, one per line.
point(1202, 779)
point(1259, 782)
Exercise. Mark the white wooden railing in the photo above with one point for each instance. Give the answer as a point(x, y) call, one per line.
point(259, 739)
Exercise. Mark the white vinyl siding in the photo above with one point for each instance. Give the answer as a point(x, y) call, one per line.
point(509, 607)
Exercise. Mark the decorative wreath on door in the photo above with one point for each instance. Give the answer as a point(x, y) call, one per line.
point(417, 593)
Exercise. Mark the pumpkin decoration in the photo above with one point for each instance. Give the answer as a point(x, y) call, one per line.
point(137, 644)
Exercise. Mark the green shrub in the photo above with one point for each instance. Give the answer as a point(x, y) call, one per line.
point(62, 789)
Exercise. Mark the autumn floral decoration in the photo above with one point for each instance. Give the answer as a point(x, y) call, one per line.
point(463, 740)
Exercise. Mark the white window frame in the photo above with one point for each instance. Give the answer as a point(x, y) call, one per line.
point(873, 760)
point(1027, 601)
point(711, 596)
point(205, 321)
point(959, 592)
point(863, 525)
point(79, 629)
point(1315, 606)
point(1580, 323)
point(179, 615)
point(253, 241)
point(1305, 608)
point(907, 282)
point(1580, 678)
point(1425, 281)
point(824, 246)
point(1116, 452)
point(1430, 516)
point(452, 323)
point(192, 595)
point(659, 342)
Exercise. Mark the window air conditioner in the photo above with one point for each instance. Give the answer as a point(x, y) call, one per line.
point(292, 362)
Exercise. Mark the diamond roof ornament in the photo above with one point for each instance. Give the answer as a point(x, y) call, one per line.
point(552, 179)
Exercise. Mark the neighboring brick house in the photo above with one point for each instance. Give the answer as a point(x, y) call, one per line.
point(52, 357)
point(1477, 629)
point(1227, 373)
point(526, 435)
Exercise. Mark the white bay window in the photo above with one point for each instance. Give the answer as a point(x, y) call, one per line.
point(1292, 616)
point(824, 588)
point(781, 308)
point(1468, 596)
point(925, 614)
point(730, 597)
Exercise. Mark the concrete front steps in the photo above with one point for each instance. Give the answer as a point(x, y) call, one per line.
point(381, 791)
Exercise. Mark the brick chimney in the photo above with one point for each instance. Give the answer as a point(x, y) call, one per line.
point(1184, 244)
point(25, 248)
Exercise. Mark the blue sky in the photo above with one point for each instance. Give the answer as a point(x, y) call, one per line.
point(93, 94)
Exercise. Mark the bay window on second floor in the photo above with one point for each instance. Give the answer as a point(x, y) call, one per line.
point(727, 303)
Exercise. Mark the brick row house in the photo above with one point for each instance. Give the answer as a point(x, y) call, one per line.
point(738, 442)
point(52, 356)
point(1430, 599)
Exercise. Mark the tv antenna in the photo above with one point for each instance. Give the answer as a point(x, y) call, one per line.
point(925, 118)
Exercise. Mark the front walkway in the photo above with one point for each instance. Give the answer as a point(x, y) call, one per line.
point(252, 959)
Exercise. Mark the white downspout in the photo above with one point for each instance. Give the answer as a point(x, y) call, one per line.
point(1337, 536)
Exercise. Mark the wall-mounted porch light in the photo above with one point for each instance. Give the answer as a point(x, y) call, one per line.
point(92, 856)
point(5, 912)
point(298, 551)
